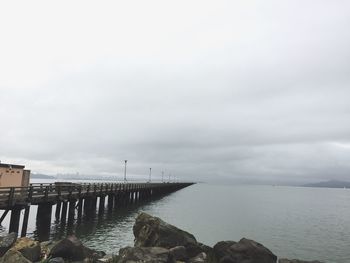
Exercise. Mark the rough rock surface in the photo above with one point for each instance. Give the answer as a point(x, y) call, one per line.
point(56, 260)
point(6, 242)
point(244, 251)
point(151, 231)
point(13, 256)
point(284, 260)
point(179, 253)
point(71, 248)
point(145, 255)
point(200, 258)
point(29, 248)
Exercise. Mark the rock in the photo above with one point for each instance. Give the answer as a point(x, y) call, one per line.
point(107, 259)
point(179, 253)
point(222, 248)
point(194, 250)
point(201, 257)
point(13, 256)
point(46, 247)
point(246, 250)
point(6, 242)
point(29, 248)
point(68, 248)
point(151, 231)
point(56, 260)
point(284, 260)
point(71, 248)
point(145, 255)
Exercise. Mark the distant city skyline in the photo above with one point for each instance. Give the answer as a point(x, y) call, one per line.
point(229, 91)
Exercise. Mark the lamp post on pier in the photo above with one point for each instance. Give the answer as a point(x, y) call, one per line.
point(150, 174)
point(125, 170)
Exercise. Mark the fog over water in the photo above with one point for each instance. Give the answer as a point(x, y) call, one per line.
point(238, 91)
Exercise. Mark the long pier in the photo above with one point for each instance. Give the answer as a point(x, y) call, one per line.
point(74, 200)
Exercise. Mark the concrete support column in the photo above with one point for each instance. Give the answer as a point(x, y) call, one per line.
point(43, 221)
point(110, 202)
point(14, 220)
point(94, 203)
point(90, 207)
point(58, 210)
point(87, 206)
point(116, 199)
point(64, 212)
point(80, 208)
point(71, 212)
point(25, 221)
point(101, 206)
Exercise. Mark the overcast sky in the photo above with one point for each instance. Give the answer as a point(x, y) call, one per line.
point(205, 90)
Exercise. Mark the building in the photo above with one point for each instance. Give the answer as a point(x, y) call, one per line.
point(13, 175)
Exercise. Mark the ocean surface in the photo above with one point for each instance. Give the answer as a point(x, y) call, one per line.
point(293, 222)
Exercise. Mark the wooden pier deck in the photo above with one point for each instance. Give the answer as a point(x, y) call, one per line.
point(74, 200)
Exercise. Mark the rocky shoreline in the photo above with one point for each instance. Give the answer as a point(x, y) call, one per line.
point(155, 241)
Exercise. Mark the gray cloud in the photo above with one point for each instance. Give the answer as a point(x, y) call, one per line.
point(207, 91)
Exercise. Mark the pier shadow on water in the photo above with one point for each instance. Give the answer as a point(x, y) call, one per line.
point(91, 222)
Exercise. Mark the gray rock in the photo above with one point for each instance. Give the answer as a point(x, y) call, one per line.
point(244, 251)
point(56, 260)
point(13, 256)
point(196, 249)
point(222, 248)
point(145, 255)
point(107, 259)
point(29, 248)
point(6, 242)
point(200, 258)
point(47, 245)
point(151, 231)
point(284, 260)
point(71, 248)
point(179, 253)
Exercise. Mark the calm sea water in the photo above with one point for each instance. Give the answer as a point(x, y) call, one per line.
point(293, 222)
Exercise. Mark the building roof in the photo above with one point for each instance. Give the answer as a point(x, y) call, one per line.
point(16, 166)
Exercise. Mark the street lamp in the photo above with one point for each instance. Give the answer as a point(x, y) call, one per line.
point(150, 174)
point(162, 176)
point(125, 170)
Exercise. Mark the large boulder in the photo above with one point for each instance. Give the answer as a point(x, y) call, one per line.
point(29, 248)
point(71, 248)
point(145, 255)
point(6, 242)
point(151, 231)
point(284, 260)
point(13, 256)
point(244, 251)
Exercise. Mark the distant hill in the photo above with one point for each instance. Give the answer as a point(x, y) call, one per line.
point(42, 176)
point(330, 184)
